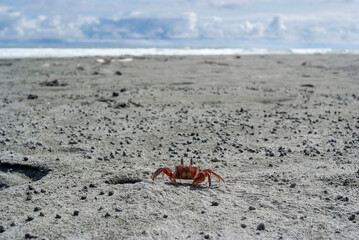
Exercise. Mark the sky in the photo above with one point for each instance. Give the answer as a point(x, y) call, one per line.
point(180, 23)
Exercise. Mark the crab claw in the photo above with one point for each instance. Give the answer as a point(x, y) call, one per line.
point(201, 176)
point(165, 171)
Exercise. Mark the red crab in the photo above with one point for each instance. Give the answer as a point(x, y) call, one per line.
point(188, 172)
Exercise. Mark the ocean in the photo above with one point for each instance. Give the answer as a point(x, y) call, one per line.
point(118, 52)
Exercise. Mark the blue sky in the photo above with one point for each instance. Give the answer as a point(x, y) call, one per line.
point(180, 23)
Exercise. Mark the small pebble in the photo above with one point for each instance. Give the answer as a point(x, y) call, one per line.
point(29, 218)
point(292, 185)
point(261, 227)
point(29, 197)
point(243, 225)
point(215, 203)
point(2, 229)
point(29, 236)
point(110, 193)
point(252, 208)
point(352, 217)
point(57, 216)
point(36, 209)
point(76, 213)
point(32, 96)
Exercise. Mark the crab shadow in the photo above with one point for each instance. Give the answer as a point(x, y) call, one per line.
point(191, 187)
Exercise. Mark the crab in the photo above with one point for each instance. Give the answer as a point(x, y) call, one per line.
point(187, 172)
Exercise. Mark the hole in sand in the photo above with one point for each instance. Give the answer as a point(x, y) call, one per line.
point(123, 180)
point(16, 173)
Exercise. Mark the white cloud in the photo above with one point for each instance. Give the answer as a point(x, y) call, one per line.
point(221, 20)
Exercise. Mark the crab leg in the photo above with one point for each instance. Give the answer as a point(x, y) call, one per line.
point(165, 171)
point(216, 175)
point(201, 176)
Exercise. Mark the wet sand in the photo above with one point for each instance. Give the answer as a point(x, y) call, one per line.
point(81, 137)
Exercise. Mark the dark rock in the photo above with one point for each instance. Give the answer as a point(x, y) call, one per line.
point(110, 193)
point(29, 236)
point(29, 218)
point(251, 208)
point(36, 209)
point(57, 216)
point(32, 96)
point(54, 83)
point(29, 197)
point(214, 203)
point(292, 185)
point(115, 94)
point(76, 213)
point(352, 217)
point(243, 225)
point(261, 227)
point(2, 229)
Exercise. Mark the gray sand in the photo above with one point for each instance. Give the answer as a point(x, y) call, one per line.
point(80, 138)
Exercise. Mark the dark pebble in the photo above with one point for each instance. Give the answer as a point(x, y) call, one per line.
point(36, 209)
point(107, 215)
point(165, 216)
point(2, 229)
point(123, 90)
point(32, 96)
point(57, 216)
point(92, 185)
point(41, 214)
point(352, 217)
point(29, 236)
point(26, 159)
point(29, 218)
point(29, 197)
point(115, 94)
point(206, 236)
point(243, 225)
point(118, 73)
point(83, 197)
point(252, 208)
point(215, 203)
point(76, 213)
point(101, 193)
point(261, 227)
point(292, 185)
point(31, 187)
point(110, 193)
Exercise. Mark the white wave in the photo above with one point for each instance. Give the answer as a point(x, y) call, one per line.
point(117, 52)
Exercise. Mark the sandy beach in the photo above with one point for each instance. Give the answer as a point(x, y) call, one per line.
point(81, 137)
